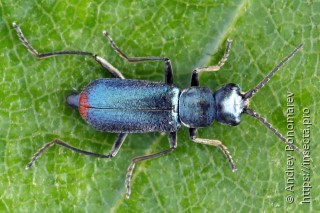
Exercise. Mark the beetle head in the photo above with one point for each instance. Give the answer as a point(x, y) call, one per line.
point(230, 104)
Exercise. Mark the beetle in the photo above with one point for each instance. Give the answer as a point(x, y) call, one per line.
point(123, 106)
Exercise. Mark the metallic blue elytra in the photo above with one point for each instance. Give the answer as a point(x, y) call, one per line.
point(130, 106)
point(136, 106)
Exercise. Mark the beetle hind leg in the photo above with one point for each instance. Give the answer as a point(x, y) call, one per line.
point(116, 146)
point(104, 63)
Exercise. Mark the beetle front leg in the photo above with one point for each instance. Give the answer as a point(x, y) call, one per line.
point(173, 146)
point(195, 73)
point(168, 66)
point(223, 148)
point(116, 146)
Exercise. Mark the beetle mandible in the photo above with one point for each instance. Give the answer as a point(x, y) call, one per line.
point(124, 106)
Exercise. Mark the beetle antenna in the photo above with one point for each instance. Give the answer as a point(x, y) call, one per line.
point(254, 114)
point(252, 92)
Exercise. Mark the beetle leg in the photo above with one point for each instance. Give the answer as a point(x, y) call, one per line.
point(106, 65)
point(173, 146)
point(168, 66)
point(195, 73)
point(116, 146)
point(223, 148)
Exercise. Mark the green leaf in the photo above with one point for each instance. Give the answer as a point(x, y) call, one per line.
point(195, 177)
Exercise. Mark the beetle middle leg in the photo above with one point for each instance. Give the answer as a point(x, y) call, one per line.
point(104, 63)
point(168, 68)
point(115, 148)
point(195, 73)
point(223, 148)
point(173, 146)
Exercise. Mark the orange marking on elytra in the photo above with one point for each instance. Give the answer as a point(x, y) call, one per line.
point(83, 105)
